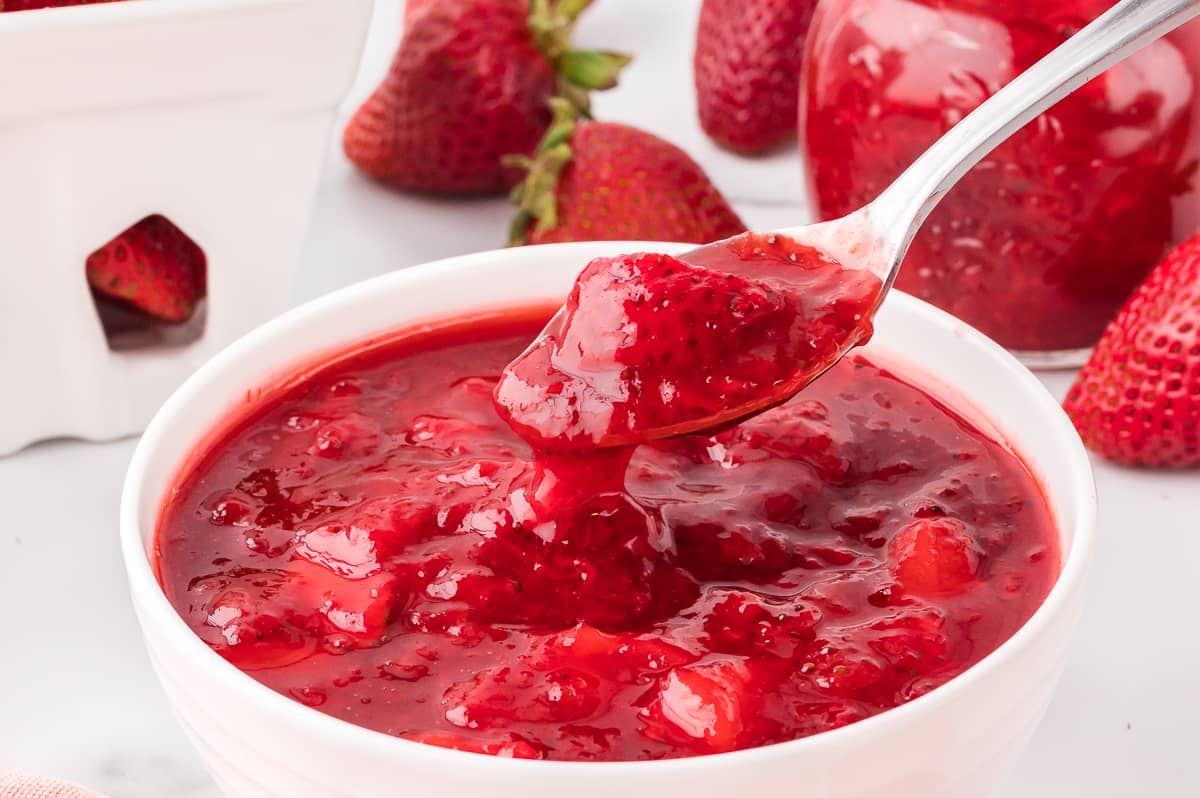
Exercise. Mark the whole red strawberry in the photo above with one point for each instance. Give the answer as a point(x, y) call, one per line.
point(470, 84)
point(152, 266)
point(747, 69)
point(610, 182)
point(1137, 401)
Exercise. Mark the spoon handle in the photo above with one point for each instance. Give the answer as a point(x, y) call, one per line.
point(1123, 30)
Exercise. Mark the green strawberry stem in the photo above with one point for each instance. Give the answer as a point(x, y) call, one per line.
point(536, 196)
point(552, 25)
point(594, 70)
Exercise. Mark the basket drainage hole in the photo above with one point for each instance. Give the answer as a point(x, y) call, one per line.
point(149, 286)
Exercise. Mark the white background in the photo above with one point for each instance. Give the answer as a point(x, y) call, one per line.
point(77, 697)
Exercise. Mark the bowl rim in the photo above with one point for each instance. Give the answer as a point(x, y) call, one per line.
point(157, 616)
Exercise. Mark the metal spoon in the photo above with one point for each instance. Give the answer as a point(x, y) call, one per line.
point(876, 237)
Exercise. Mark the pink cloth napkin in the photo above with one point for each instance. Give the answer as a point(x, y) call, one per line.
point(15, 784)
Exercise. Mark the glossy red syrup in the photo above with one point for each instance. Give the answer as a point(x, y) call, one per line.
point(1041, 242)
point(649, 346)
point(374, 541)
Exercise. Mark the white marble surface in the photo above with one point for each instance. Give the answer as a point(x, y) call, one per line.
point(78, 700)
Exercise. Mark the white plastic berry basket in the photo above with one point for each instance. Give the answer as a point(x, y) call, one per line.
point(213, 113)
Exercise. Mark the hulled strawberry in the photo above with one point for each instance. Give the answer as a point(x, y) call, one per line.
point(747, 70)
point(469, 84)
point(152, 266)
point(595, 180)
point(1137, 401)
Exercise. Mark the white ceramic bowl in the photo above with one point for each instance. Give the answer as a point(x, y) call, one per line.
point(952, 742)
point(215, 113)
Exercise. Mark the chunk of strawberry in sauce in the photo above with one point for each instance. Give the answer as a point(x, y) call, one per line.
point(878, 664)
point(252, 628)
point(359, 607)
point(703, 707)
point(742, 622)
point(357, 548)
point(934, 557)
point(913, 642)
point(800, 430)
point(751, 552)
point(600, 562)
point(839, 667)
point(495, 697)
point(347, 437)
point(620, 657)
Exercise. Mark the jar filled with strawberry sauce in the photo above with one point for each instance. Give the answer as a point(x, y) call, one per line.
point(1041, 242)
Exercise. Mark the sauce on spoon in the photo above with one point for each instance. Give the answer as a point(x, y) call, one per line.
point(650, 346)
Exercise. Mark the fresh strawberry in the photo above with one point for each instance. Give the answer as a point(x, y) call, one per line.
point(604, 181)
point(152, 266)
point(934, 557)
point(471, 83)
point(30, 5)
point(1137, 401)
point(747, 69)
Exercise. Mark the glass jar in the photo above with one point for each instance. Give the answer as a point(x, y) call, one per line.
point(1041, 242)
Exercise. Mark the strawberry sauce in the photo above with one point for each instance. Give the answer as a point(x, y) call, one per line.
point(374, 541)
